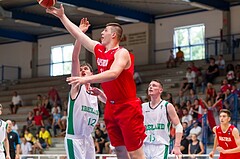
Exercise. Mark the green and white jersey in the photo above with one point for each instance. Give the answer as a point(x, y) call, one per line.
point(3, 129)
point(156, 123)
point(83, 113)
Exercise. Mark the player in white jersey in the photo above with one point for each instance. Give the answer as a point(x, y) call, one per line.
point(83, 110)
point(158, 115)
point(3, 138)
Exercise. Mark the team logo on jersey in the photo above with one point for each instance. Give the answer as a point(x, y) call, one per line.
point(102, 62)
point(228, 139)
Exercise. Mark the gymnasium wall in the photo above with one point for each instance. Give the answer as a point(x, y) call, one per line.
point(165, 29)
point(136, 40)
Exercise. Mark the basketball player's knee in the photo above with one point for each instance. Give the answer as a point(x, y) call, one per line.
point(121, 151)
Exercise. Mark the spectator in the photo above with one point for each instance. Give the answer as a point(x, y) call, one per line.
point(38, 120)
point(14, 126)
point(56, 122)
point(64, 120)
point(171, 61)
point(221, 64)
point(55, 106)
point(16, 102)
point(179, 56)
point(30, 119)
point(45, 135)
point(186, 116)
point(189, 80)
point(26, 148)
point(170, 98)
point(184, 146)
point(230, 73)
point(196, 130)
point(100, 139)
point(212, 71)
point(38, 100)
point(237, 72)
point(210, 93)
point(46, 103)
point(192, 95)
point(53, 96)
point(14, 141)
point(196, 70)
point(225, 86)
point(41, 142)
point(181, 99)
point(137, 78)
point(195, 147)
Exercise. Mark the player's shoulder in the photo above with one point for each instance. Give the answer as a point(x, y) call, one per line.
point(144, 105)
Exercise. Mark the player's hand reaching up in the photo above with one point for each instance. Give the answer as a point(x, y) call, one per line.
point(84, 24)
point(58, 12)
point(76, 81)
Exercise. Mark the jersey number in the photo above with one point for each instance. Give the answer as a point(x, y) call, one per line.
point(152, 138)
point(91, 122)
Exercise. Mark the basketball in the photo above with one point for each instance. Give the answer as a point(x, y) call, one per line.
point(47, 3)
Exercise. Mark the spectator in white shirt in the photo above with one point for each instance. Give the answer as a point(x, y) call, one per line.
point(26, 148)
point(16, 102)
point(197, 130)
point(186, 116)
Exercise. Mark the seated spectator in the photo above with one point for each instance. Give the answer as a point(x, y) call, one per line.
point(45, 135)
point(30, 119)
point(196, 130)
point(38, 120)
point(186, 117)
point(14, 126)
point(210, 93)
point(170, 98)
point(33, 141)
point(212, 71)
point(192, 95)
point(56, 123)
point(55, 106)
point(16, 102)
point(189, 80)
point(64, 120)
point(53, 96)
point(184, 146)
point(26, 148)
point(230, 74)
point(99, 139)
point(171, 61)
point(42, 144)
point(137, 78)
point(46, 103)
point(179, 56)
point(225, 86)
point(237, 72)
point(181, 99)
point(38, 100)
point(197, 71)
point(221, 64)
point(195, 147)
point(235, 90)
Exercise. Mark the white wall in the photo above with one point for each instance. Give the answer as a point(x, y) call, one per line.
point(165, 29)
point(235, 20)
point(17, 54)
point(44, 51)
point(139, 50)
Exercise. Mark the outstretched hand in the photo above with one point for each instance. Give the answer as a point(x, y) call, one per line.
point(76, 81)
point(84, 24)
point(95, 91)
point(58, 12)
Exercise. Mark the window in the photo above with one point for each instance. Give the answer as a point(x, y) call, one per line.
point(61, 59)
point(191, 40)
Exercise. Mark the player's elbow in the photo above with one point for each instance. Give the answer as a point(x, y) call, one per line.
point(114, 75)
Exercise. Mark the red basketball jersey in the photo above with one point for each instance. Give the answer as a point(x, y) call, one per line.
point(226, 141)
point(123, 87)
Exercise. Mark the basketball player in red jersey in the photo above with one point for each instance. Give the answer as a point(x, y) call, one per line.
point(227, 140)
point(123, 112)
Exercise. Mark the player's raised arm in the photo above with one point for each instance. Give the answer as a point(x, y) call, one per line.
point(121, 62)
point(88, 43)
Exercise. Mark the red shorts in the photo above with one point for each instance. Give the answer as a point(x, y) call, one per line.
point(230, 156)
point(124, 123)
